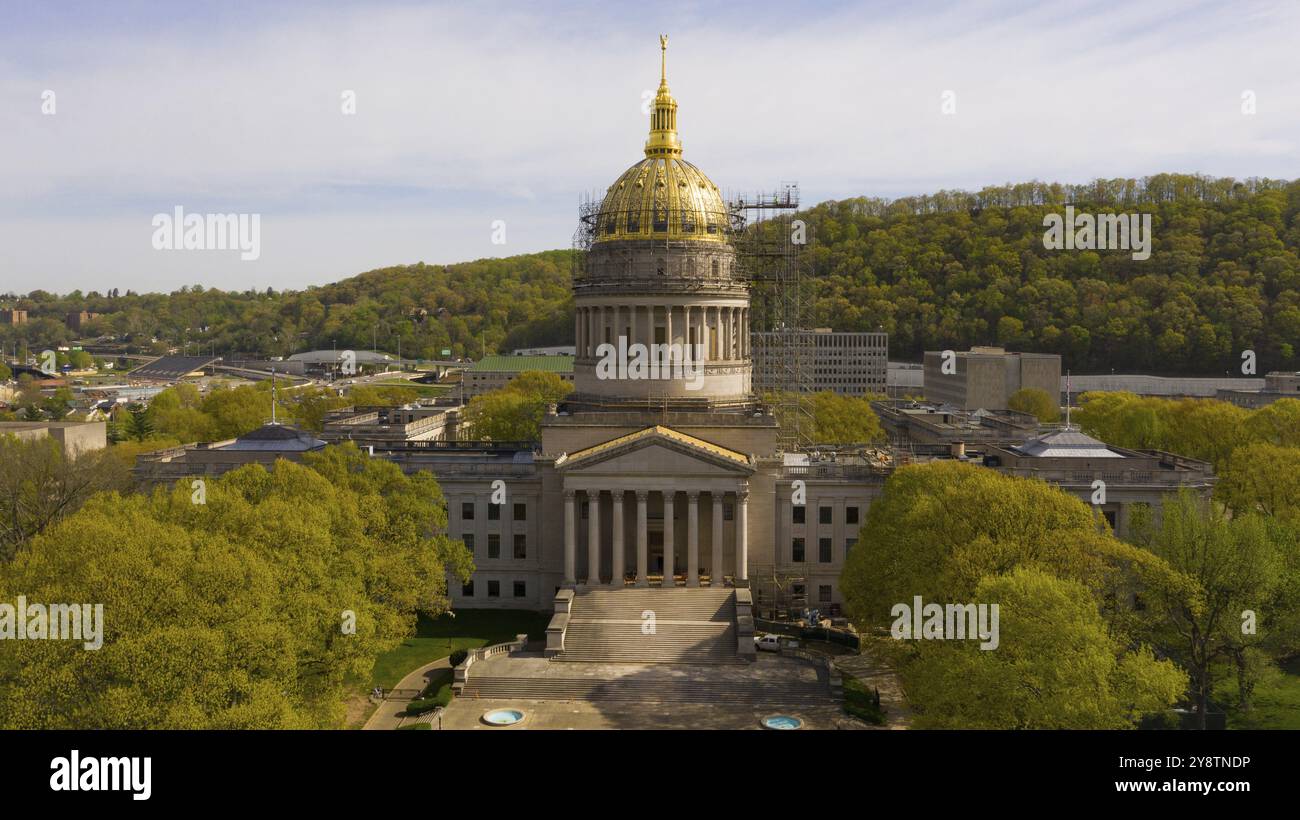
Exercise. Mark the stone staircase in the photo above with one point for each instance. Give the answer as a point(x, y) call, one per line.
point(690, 626)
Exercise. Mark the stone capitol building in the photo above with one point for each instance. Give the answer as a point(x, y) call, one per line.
point(666, 487)
point(659, 481)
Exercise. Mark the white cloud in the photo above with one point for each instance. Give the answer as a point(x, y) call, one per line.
point(468, 113)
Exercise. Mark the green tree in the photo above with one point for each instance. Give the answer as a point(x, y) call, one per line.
point(1235, 566)
point(235, 613)
point(40, 484)
point(1057, 666)
point(235, 411)
point(138, 424)
point(515, 412)
point(1262, 478)
point(946, 530)
point(841, 419)
point(1036, 403)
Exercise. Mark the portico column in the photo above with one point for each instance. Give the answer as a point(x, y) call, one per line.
point(692, 539)
point(642, 553)
point(570, 539)
point(616, 572)
point(593, 537)
point(668, 538)
point(668, 324)
point(715, 567)
point(742, 536)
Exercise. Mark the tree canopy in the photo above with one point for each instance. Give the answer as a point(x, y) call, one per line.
point(515, 412)
point(1200, 428)
point(954, 533)
point(1036, 403)
point(236, 612)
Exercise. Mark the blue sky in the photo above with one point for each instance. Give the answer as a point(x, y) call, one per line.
point(469, 113)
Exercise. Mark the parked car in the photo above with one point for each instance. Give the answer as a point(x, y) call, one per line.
point(767, 643)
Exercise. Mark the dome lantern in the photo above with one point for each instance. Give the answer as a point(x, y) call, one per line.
point(663, 141)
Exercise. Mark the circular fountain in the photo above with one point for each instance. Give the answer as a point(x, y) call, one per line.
point(781, 722)
point(503, 717)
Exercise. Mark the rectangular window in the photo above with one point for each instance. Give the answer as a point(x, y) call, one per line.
point(824, 550)
point(467, 511)
point(521, 511)
point(796, 550)
point(824, 593)
point(467, 590)
point(494, 589)
point(799, 514)
point(494, 512)
point(728, 511)
point(494, 545)
point(521, 546)
point(825, 515)
point(468, 540)
point(521, 589)
point(848, 546)
point(850, 515)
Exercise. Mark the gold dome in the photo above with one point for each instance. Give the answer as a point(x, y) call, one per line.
point(663, 196)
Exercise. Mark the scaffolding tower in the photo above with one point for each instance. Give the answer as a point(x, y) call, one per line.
point(769, 244)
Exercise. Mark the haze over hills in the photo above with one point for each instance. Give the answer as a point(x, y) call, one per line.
point(946, 270)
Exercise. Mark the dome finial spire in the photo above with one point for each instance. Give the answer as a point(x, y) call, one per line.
point(663, 140)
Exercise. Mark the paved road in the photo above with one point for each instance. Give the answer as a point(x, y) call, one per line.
point(389, 714)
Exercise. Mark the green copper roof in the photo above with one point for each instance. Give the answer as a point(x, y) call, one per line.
point(522, 364)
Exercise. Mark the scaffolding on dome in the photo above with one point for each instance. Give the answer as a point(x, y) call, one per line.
point(769, 244)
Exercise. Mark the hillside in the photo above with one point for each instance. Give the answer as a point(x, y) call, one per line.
point(945, 270)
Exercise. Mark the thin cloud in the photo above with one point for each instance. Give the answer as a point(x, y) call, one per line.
point(470, 114)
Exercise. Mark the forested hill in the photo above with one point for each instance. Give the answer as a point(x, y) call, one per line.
point(954, 269)
point(946, 270)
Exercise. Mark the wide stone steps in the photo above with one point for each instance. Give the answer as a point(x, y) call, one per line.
point(652, 626)
point(625, 642)
point(646, 690)
point(667, 604)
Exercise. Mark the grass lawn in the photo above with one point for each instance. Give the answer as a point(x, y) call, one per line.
point(1276, 704)
point(470, 629)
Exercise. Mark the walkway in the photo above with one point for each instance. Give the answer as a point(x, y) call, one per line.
point(390, 715)
point(871, 671)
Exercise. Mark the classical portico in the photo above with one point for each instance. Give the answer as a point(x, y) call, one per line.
point(642, 496)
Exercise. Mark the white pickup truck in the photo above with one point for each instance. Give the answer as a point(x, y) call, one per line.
point(773, 643)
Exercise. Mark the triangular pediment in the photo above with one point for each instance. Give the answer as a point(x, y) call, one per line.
point(657, 450)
